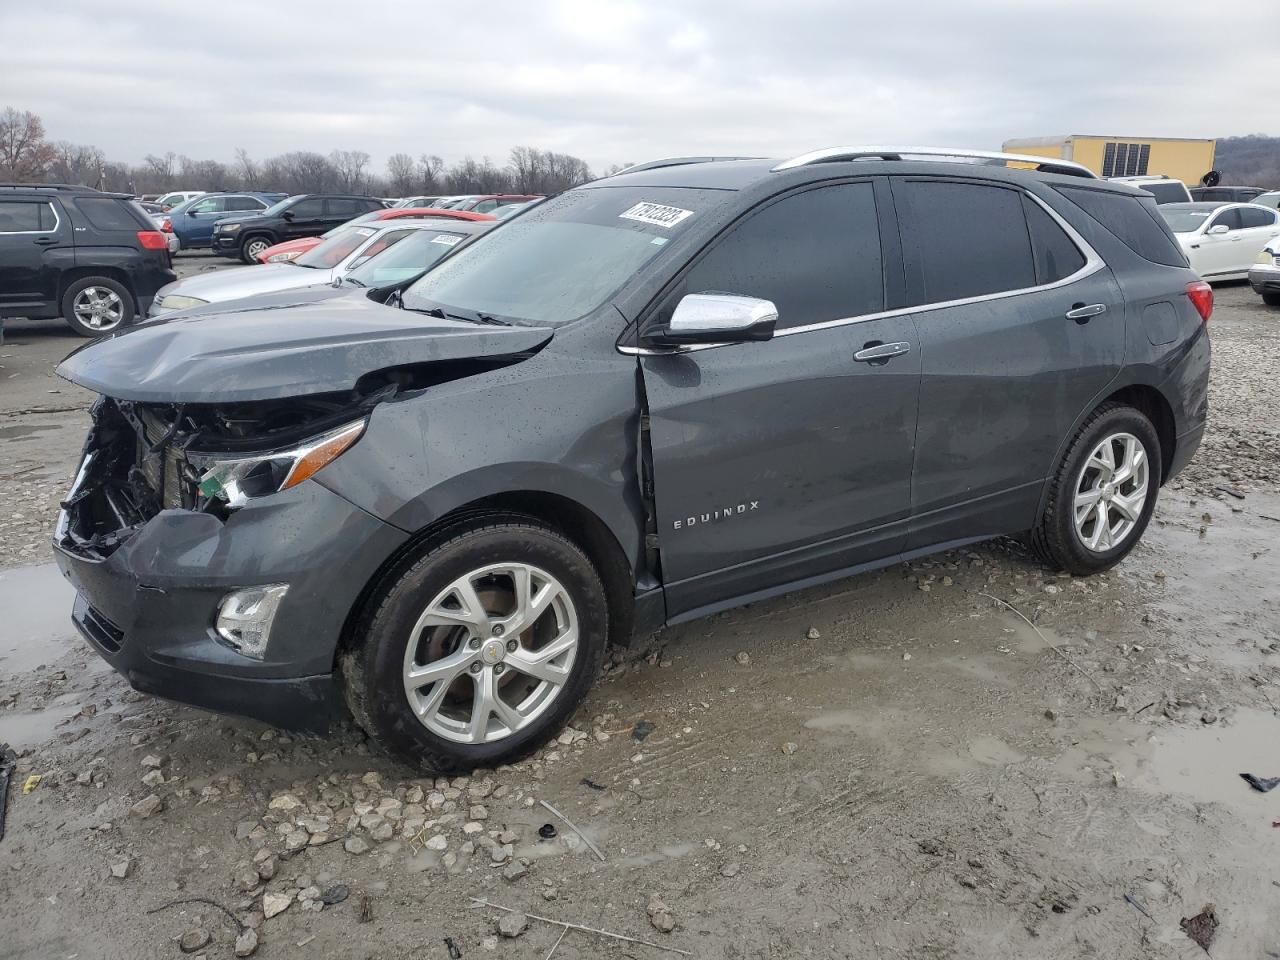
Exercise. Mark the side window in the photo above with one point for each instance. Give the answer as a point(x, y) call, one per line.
point(1228, 218)
point(486, 206)
point(345, 208)
point(1256, 217)
point(107, 213)
point(993, 256)
point(22, 216)
point(313, 207)
point(211, 205)
point(244, 203)
point(1056, 256)
point(1135, 222)
point(815, 254)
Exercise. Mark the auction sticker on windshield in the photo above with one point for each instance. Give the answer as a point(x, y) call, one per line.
point(657, 214)
point(448, 239)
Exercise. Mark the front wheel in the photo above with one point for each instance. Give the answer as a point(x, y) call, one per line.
point(477, 651)
point(1103, 494)
point(1271, 299)
point(93, 306)
point(252, 247)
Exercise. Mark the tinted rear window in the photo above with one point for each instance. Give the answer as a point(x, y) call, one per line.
point(1133, 221)
point(108, 213)
point(1165, 192)
point(963, 240)
point(1056, 256)
point(1256, 218)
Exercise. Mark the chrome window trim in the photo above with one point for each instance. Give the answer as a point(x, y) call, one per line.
point(1092, 264)
point(57, 220)
point(946, 154)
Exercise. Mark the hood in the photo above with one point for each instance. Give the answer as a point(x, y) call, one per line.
point(218, 285)
point(231, 219)
point(268, 352)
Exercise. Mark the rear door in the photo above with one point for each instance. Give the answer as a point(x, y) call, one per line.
point(787, 459)
point(339, 210)
point(1020, 326)
point(1258, 226)
point(307, 219)
point(35, 245)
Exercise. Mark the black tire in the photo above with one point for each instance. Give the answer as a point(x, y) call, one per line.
point(1055, 539)
point(372, 669)
point(82, 289)
point(1271, 299)
point(251, 246)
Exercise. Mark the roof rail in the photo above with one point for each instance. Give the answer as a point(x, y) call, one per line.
point(834, 154)
point(675, 162)
point(46, 186)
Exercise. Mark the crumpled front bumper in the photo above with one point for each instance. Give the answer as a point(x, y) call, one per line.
point(148, 607)
point(1264, 278)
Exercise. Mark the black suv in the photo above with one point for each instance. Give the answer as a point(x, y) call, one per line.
point(304, 215)
point(659, 395)
point(95, 259)
point(1227, 194)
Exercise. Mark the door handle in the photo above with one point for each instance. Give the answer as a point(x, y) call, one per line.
point(872, 352)
point(45, 241)
point(1083, 311)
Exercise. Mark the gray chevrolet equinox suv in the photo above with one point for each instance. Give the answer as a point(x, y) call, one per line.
point(686, 387)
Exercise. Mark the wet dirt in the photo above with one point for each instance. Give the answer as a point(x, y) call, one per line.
point(926, 779)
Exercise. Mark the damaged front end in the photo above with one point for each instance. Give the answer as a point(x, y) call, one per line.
point(143, 458)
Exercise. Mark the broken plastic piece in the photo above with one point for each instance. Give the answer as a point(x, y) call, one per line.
point(642, 729)
point(1202, 927)
point(547, 831)
point(32, 782)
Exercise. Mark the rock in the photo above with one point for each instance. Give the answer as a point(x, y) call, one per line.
point(743, 658)
point(193, 940)
point(1121, 705)
point(355, 846)
point(438, 842)
point(266, 867)
point(515, 871)
point(382, 831)
point(478, 812)
point(790, 747)
point(335, 894)
point(153, 778)
point(472, 828)
point(906, 656)
point(122, 869)
point(730, 869)
point(152, 761)
point(969, 881)
point(489, 943)
point(1050, 713)
point(295, 840)
point(813, 634)
point(286, 803)
point(660, 915)
point(147, 806)
point(309, 892)
point(275, 903)
point(247, 943)
point(247, 880)
point(511, 925)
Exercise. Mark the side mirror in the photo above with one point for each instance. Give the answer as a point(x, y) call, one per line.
point(1218, 229)
point(718, 318)
point(287, 215)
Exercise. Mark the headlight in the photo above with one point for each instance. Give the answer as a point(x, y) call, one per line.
point(176, 301)
point(236, 480)
point(1265, 256)
point(229, 227)
point(281, 257)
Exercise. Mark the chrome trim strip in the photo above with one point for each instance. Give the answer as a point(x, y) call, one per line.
point(57, 220)
point(1092, 264)
point(830, 154)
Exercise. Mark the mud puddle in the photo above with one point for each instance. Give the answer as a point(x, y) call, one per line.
point(35, 603)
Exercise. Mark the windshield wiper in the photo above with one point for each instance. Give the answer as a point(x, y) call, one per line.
point(425, 311)
point(353, 281)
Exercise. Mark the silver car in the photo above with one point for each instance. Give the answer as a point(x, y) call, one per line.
point(325, 263)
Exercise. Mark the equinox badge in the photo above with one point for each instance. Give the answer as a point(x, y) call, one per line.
point(722, 513)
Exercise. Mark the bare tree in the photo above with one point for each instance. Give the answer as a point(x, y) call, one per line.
point(76, 163)
point(160, 169)
point(304, 171)
point(247, 169)
point(349, 166)
point(430, 171)
point(24, 152)
point(401, 174)
point(544, 171)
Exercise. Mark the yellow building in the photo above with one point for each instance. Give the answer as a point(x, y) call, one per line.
point(1180, 158)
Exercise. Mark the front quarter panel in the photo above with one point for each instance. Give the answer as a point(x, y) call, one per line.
point(564, 422)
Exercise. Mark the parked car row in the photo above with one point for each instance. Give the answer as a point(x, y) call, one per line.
point(1221, 240)
point(292, 249)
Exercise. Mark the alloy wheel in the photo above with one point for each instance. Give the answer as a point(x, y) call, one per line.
point(255, 247)
point(491, 652)
point(98, 308)
point(1111, 492)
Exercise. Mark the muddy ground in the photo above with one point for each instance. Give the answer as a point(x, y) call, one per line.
point(890, 766)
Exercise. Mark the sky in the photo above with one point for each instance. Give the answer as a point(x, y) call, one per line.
point(613, 81)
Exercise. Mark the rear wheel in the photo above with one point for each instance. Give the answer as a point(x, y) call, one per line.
point(479, 649)
point(1271, 299)
point(251, 247)
point(97, 305)
point(1103, 494)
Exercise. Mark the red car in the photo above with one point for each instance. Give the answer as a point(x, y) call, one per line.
point(292, 249)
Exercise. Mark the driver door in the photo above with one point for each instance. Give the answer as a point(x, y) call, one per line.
point(786, 459)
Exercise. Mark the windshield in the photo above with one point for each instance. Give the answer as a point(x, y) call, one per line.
point(1185, 221)
point(277, 207)
point(563, 258)
point(406, 259)
point(329, 253)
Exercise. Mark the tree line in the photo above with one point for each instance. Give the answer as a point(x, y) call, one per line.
point(28, 156)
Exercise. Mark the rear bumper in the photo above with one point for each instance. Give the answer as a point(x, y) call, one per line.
point(148, 608)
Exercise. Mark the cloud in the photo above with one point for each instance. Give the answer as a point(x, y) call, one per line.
point(620, 81)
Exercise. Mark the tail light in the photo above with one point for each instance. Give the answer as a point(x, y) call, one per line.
point(167, 226)
point(1201, 296)
point(152, 240)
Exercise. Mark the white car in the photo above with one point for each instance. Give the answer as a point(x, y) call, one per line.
point(1264, 275)
point(325, 263)
point(1221, 240)
point(171, 200)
